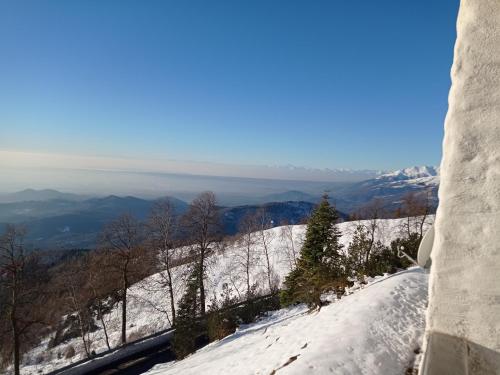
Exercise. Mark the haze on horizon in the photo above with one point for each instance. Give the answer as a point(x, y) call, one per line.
point(117, 96)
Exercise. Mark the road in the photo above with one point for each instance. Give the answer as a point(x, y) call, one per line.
point(137, 363)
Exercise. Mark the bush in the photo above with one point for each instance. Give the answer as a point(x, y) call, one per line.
point(220, 325)
point(188, 337)
point(387, 260)
point(70, 352)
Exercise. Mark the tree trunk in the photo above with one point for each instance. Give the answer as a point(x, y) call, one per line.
point(82, 334)
point(248, 272)
point(268, 263)
point(202, 286)
point(171, 292)
point(369, 249)
point(15, 339)
point(124, 308)
point(101, 318)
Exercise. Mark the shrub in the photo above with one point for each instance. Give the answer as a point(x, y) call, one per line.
point(220, 325)
point(70, 352)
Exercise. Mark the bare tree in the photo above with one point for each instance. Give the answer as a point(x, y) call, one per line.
point(202, 223)
point(265, 237)
point(288, 244)
point(121, 240)
point(161, 227)
point(245, 257)
point(100, 287)
point(71, 280)
point(371, 213)
point(416, 208)
point(19, 288)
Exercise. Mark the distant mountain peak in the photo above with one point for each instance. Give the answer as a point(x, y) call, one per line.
point(412, 173)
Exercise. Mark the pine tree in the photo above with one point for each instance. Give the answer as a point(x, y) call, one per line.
point(357, 250)
point(321, 265)
point(188, 326)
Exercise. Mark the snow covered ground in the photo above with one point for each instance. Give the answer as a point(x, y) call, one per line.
point(375, 330)
point(148, 306)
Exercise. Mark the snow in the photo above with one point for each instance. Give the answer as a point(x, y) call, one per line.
point(414, 172)
point(464, 291)
point(375, 330)
point(148, 306)
point(424, 175)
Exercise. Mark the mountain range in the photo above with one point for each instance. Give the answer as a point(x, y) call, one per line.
point(64, 220)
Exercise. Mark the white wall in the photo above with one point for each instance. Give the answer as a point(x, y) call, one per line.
point(463, 322)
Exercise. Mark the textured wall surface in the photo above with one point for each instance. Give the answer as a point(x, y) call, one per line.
point(463, 322)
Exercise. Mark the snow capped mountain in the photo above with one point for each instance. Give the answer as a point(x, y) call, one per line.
point(293, 172)
point(423, 174)
point(390, 188)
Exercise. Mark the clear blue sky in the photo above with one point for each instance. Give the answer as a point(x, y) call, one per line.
point(337, 84)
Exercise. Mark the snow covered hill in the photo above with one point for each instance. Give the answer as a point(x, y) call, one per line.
point(148, 308)
point(376, 330)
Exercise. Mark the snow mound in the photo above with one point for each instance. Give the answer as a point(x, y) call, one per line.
point(376, 330)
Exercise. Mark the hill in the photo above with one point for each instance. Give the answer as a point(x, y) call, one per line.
point(59, 224)
point(375, 330)
point(28, 195)
point(278, 213)
point(148, 306)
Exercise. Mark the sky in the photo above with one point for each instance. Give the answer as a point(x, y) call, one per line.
point(356, 84)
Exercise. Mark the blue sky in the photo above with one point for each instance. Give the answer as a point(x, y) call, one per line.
point(324, 84)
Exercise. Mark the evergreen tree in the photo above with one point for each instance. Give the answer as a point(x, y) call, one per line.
point(321, 265)
point(357, 250)
point(380, 261)
point(188, 326)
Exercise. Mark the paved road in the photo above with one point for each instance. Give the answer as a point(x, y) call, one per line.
point(138, 363)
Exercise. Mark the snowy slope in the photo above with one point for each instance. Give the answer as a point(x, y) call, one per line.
point(148, 305)
point(373, 331)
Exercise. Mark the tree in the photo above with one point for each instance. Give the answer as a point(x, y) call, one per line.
point(121, 242)
point(416, 208)
point(288, 244)
point(321, 265)
point(188, 326)
point(20, 291)
point(372, 213)
point(72, 282)
point(100, 287)
point(202, 223)
point(245, 256)
point(161, 227)
point(357, 250)
point(265, 236)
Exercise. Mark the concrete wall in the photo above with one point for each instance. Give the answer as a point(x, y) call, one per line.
point(463, 322)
